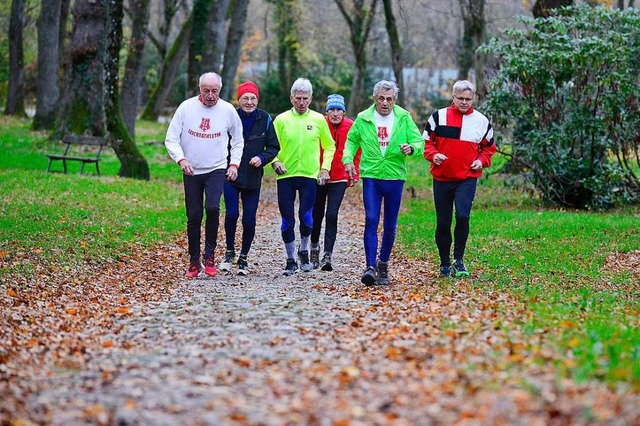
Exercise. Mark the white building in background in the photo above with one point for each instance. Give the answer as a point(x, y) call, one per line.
point(417, 81)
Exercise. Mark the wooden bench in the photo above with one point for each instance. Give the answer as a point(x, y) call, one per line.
point(85, 149)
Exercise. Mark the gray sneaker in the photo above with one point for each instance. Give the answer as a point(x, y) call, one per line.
point(326, 265)
point(305, 264)
point(383, 273)
point(243, 265)
point(227, 261)
point(314, 256)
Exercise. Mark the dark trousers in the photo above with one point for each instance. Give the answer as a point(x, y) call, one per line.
point(330, 196)
point(250, 199)
point(374, 193)
point(287, 189)
point(202, 193)
point(445, 196)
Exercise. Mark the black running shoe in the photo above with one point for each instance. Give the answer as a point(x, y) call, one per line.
point(291, 268)
point(369, 276)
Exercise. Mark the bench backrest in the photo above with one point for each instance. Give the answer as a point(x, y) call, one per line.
point(70, 138)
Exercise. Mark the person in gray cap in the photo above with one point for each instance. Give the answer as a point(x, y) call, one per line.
point(330, 195)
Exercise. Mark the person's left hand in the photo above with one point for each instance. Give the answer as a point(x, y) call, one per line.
point(476, 165)
point(232, 173)
point(406, 149)
point(323, 177)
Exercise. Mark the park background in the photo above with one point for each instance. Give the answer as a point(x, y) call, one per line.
point(563, 260)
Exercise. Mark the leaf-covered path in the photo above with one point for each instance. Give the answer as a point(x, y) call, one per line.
point(133, 343)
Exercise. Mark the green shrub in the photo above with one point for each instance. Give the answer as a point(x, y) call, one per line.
point(565, 94)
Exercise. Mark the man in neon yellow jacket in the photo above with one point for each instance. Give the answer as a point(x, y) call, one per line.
point(387, 134)
point(301, 131)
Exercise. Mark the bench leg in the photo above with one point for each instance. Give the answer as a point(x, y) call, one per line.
point(82, 167)
point(98, 168)
point(49, 166)
point(64, 165)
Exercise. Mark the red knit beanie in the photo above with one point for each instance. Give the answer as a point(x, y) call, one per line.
point(248, 87)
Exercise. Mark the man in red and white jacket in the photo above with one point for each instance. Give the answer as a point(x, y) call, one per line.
point(459, 144)
point(205, 140)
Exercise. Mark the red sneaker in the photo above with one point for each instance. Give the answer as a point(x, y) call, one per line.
point(194, 270)
point(210, 267)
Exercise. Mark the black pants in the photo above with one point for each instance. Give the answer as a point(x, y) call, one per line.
point(329, 195)
point(202, 192)
point(445, 196)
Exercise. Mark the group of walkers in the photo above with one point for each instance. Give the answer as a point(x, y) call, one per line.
point(224, 150)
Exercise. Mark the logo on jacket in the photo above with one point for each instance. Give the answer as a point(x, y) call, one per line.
point(205, 125)
point(309, 127)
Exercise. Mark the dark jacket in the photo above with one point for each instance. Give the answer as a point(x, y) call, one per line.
point(263, 142)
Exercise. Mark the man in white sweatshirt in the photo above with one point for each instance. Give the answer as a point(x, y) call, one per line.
point(205, 140)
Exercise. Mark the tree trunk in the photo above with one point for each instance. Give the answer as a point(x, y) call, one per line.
point(15, 91)
point(359, 21)
point(47, 85)
point(474, 34)
point(132, 163)
point(170, 65)
point(544, 8)
point(82, 101)
point(396, 47)
point(132, 82)
point(234, 46)
point(215, 36)
point(200, 18)
point(286, 15)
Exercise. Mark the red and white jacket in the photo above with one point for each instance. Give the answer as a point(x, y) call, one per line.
point(463, 138)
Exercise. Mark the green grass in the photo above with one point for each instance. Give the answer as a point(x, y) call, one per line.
point(551, 259)
point(70, 217)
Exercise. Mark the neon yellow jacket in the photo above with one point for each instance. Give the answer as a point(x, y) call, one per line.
point(301, 136)
point(364, 134)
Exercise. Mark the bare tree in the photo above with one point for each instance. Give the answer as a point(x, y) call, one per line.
point(286, 14)
point(215, 36)
point(90, 101)
point(47, 85)
point(132, 81)
point(15, 95)
point(474, 33)
point(234, 45)
point(359, 19)
point(170, 65)
point(82, 101)
point(396, 46)
point(197, 43)
point(132, 163)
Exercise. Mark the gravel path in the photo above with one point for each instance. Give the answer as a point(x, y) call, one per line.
point(228, 349)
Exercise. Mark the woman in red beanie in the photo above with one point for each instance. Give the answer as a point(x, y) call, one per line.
point(260, 147)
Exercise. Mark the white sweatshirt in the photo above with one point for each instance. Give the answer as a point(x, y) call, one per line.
point(201, 134)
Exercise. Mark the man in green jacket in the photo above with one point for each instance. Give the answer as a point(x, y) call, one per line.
point(301, 132)
point(387, 134)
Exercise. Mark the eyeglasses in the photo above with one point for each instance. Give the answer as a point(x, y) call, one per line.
point(463, 99)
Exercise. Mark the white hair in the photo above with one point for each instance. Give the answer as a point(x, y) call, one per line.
point(302, 85)
point(462, 85)
point(210, 74)
point(386, 85)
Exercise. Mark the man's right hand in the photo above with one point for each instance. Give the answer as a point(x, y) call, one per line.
point(186, 167)
point(351, 170)
point(279, 168)
point(439, 159)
